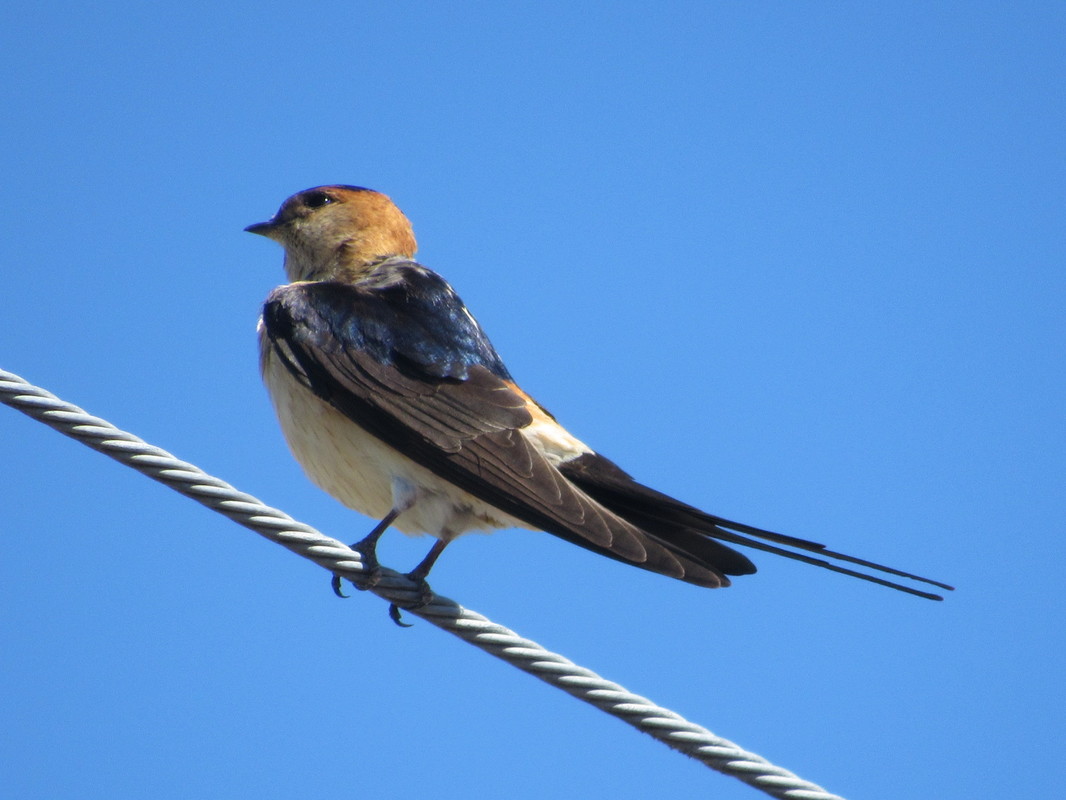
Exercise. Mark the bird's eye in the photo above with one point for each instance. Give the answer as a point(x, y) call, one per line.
point(317, 199)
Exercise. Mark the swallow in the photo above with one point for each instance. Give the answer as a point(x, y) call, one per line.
point(394, 401)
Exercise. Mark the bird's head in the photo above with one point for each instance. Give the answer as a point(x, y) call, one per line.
point(337, 232)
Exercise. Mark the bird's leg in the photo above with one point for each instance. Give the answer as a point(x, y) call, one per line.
point(418, 575)
point(367, 547)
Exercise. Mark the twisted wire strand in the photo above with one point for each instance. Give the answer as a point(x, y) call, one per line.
point(667, 726)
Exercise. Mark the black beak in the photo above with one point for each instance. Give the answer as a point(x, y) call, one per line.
point(262, 228)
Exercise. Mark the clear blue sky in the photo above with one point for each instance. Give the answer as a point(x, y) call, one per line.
point(801, 265)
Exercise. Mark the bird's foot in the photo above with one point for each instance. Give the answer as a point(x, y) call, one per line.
point(425, 595)
point(335, 584)
point(371, 568)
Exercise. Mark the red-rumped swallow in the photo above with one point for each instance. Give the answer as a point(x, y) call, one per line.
point(395, 402)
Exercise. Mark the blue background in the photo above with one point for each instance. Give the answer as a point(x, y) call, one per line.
point(798, 264)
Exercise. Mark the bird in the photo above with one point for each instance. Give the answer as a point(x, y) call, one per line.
point(394, 401)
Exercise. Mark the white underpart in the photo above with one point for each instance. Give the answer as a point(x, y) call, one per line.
point(366, 474)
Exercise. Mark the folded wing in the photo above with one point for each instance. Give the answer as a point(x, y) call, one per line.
point(404, 359)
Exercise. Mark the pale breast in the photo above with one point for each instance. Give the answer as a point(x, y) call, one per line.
point(361, 471)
